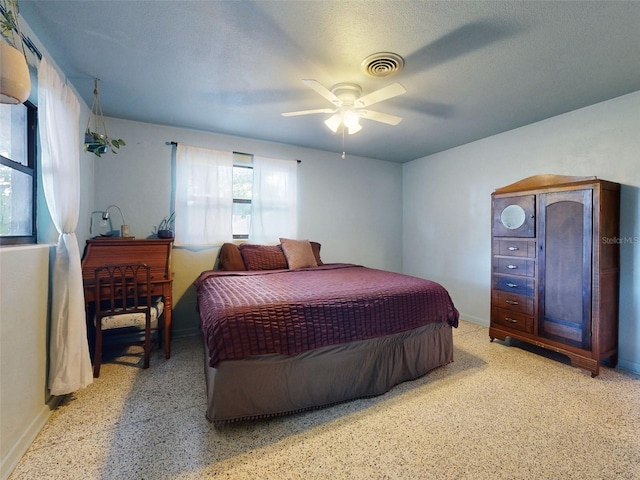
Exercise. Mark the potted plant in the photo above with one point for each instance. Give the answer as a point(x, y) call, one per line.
point(15, 82)
point(165, 228)
point(98, 142)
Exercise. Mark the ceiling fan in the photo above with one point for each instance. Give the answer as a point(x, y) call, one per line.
point(349, 106)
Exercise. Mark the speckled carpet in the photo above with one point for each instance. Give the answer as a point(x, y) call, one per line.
point(499, 411)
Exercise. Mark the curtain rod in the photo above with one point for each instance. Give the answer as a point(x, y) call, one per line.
point(175, 144)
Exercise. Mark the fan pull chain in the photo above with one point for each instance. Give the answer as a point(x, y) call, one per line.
point(344, 155)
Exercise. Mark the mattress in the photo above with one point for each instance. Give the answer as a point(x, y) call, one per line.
point(243, 314)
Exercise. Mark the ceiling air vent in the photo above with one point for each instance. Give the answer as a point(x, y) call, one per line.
point(382, 64)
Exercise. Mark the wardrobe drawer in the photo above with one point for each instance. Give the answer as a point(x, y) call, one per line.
point(515, 248)
point(512, 320)
point(512, 302)
point(513, 284)
point(514, 266)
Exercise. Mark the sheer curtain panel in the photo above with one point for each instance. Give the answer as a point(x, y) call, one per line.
point(274, 211)
point(204, 196)
point(58, 125)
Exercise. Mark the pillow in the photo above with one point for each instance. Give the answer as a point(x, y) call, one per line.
point(230, 258)
point(299, 253)
point(263, 257)
point(315, 246)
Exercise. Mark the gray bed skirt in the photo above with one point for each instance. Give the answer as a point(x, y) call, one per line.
point(271, 385)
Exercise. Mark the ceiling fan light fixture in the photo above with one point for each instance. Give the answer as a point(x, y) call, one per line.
point(347, 119)
point(350, 119)
point(334, 122)
point(354, 129)
point(350, 105)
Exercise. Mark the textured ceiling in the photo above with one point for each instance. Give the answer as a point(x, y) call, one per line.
point(473, 68)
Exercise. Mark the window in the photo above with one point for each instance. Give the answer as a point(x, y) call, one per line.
point(242, 193)
point(221, 196)
point(18, 173)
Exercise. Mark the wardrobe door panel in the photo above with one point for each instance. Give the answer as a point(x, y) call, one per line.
point(565, 271)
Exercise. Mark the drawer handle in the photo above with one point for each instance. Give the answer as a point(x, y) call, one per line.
point(512, 285)
point(510, 320)
point(512, 267)
point(511, 302)
point(512, 249)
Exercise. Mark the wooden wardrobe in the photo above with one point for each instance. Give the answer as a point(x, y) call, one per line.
point(555, 266)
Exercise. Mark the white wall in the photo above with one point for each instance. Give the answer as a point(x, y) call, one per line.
point(25, 404)
point(447, 202)
point(353, 207)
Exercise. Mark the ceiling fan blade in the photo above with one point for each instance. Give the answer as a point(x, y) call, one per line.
point(380, 117)
point(307, 112)
point(325, 92)
point(384, 93)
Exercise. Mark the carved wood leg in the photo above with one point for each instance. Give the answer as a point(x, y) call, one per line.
point(147, 344)
point(97, 352)
point(167, 328)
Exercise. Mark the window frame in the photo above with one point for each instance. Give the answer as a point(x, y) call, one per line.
point(248, 164)
point(29, 169)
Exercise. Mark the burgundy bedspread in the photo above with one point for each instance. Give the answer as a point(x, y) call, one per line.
point(290, 311)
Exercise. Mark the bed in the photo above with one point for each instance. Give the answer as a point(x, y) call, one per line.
point(284, 335)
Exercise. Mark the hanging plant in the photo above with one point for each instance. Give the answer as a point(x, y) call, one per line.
point(9, 21)
point(15, 82)
point(97, 141)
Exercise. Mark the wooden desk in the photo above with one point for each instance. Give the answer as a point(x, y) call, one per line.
point(154, 252)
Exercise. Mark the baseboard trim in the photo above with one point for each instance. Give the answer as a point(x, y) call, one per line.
point(22, 444)
point(632, 367)
point(470, 318)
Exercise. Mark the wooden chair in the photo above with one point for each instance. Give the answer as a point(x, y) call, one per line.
point(125, 308)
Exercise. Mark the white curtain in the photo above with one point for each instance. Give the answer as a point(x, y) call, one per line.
point(58, 124)
point(204, 196)
point(274, 201)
